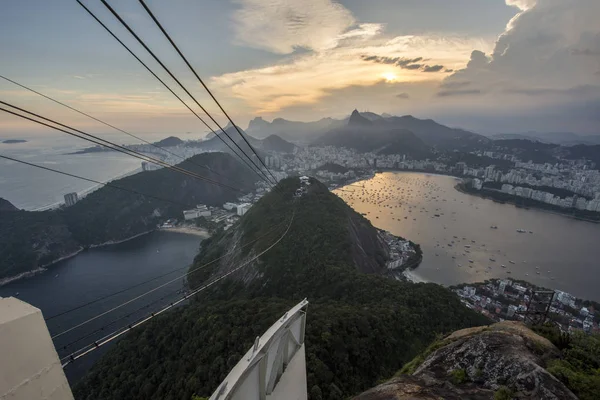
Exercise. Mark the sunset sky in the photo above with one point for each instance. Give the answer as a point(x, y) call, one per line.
point(492, 66)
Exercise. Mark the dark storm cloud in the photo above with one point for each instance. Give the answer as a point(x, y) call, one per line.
point(459, 92)
point(403, 96)
point(413, 66)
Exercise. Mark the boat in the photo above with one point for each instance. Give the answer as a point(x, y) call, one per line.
point(503, 266)
point(521, 231)
point(512, 262)
point(471, 261)
point(494, 227)
point(492, 259)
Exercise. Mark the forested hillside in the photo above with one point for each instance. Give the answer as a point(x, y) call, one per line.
point(362, 326)
point(29, 239)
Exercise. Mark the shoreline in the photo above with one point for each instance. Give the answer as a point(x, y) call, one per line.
point(112, 242)
point(533, 207)
point(188, 231)
point(45, 267)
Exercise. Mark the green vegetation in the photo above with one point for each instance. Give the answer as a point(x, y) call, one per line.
point(410, 367)
point(29, 240)
point(503, 393)
point(579, 366)
point(458, 376)
point(361, 327)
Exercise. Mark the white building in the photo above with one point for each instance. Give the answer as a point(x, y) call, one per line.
point(71, 198)
point(229, 206)
point(501, 287)
point(199, 211)
point(243, 208)
point(565, 298)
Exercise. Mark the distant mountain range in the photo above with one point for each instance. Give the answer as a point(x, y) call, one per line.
point(269, 143)
point(375, 135)
point(292, 130)
point(325, 130)
point(14, 141)
point(562, 138)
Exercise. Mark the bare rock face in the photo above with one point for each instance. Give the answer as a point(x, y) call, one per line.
point(410, 387)
point(476, 363)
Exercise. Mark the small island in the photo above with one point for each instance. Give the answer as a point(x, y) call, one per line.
point(14, 141)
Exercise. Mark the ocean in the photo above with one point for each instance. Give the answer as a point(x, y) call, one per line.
point(31, 188)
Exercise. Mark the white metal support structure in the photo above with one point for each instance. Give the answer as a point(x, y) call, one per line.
point(275, 367)
point(29, 366)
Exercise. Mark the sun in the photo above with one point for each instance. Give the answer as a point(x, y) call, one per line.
point(390, 76)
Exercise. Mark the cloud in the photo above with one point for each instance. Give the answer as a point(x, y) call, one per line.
point(281, 26)
point(404, 63)
point(521, 4)
point(455, 84)
point(403, 96)
point(433, 68)
point(459, 92)
point(401, 62)
point(309, 77)
point(548, 51)
point(363, 31)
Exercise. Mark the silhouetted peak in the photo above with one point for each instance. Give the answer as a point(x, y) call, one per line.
point(357, 119)
point(6, 205)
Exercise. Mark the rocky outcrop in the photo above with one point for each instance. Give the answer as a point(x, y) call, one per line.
point(481, 363)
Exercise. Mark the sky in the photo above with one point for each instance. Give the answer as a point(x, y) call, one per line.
point(492, 66)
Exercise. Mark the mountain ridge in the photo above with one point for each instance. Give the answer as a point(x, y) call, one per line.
point(430, 132)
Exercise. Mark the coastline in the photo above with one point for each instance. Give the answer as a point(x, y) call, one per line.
point(111, 242)
point(188, 231)
point(533, 207)
point(7, 280)
point(43, 268)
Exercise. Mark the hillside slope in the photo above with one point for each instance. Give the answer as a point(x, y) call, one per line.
point(361, 326)
point(29, 240)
